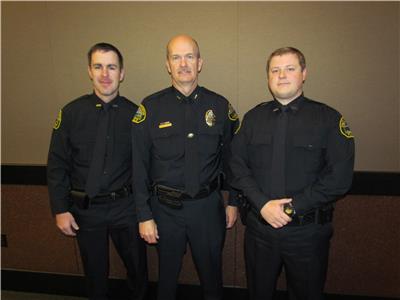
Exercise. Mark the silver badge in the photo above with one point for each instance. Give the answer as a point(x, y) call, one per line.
point(210, 118)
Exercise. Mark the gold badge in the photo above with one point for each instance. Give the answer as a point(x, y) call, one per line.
point(344, 129)
point(58, 120)
point(140, 115)
point(165, 124)
point(232, 113)
point(210, 118)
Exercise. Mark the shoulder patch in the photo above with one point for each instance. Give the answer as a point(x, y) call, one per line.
point(344, 129)
point(140, 115)
point(57, 123)
point(232, 113)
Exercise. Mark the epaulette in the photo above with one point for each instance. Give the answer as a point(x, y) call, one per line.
point(263, 103)
point(157, 94)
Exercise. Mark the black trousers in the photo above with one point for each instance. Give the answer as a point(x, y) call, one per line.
point(302, 251)
point(201, 223)
point(117, 220)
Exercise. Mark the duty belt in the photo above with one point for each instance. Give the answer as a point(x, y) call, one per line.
point(315, 216)
point(173, 197)
point(82, 200)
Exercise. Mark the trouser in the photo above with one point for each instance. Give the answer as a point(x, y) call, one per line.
point(302, 251)
point(97, 224)
point(201, 223)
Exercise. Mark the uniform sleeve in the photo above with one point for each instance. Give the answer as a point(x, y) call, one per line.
point(59, 165)
point(243, 179)
point(231, 126)
point(336, 177)
point(141, 151)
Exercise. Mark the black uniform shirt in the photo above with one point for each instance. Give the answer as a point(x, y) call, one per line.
point(72, 146)
point(319, 154)
point(169, 126)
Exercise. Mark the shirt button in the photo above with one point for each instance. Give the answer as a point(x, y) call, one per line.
point(190, 135)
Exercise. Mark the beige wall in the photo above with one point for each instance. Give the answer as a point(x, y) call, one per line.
point(352, 50)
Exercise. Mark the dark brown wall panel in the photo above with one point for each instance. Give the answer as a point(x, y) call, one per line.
point(364, 260)
point(34, 242)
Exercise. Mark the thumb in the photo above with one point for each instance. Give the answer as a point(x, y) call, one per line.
point(74, 225)
point(156, 232)
point(285, 200)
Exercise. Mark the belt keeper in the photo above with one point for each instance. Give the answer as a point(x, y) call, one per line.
point(301, 218)
point(113, 196)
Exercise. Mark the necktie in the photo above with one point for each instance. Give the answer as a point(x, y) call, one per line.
point(191, 157)
point(93, 182)
point(279, 155)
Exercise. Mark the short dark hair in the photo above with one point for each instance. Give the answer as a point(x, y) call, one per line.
point(105, 47)
point(286, 50)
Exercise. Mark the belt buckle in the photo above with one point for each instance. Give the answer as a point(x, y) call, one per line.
point(113, 196)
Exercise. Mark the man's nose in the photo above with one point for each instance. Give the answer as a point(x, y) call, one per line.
point(282, 73)
point(104, 72)
point(183, 62)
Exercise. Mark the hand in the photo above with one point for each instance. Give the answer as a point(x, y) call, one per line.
point(273, 213)
point(148, 231)
point(231, 215)
point(66, 223)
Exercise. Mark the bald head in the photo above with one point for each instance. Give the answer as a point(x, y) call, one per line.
point(181, 40)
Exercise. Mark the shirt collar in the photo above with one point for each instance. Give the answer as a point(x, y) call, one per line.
point(101, 104)
point(193, 96)
point(293, 106)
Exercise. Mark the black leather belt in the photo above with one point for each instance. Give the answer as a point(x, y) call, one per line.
point(316, 216)
point(82, 200)
point(121, 193)
point(174, 197)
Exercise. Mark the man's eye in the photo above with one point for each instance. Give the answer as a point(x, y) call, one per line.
point(113, 68)
point(274, 71)
point(190, 56)
point(291, 69)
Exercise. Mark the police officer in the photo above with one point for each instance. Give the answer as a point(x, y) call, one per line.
point(292, 158)
point(181, 139)
point(89, 176)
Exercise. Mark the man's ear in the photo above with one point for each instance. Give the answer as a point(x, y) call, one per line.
point(122, 75)
point(304, 74)
point(200, 65)
point(90, 73)
point(168, 67)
